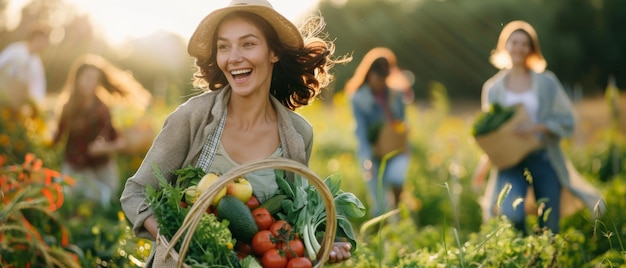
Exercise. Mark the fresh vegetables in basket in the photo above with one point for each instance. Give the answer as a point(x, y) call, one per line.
point(286, 229)
point(304, 208)
point(491, 120)
point(290, 224)
point(212, 242)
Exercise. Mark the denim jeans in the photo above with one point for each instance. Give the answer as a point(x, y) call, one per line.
point(394, 175)
point(545, 184)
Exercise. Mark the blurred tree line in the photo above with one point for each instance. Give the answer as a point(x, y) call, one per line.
point(159, 61)
point(448, 41)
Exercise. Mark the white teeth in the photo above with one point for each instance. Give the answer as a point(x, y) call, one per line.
point(236, 72)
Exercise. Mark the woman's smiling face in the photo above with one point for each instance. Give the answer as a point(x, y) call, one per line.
point(519, 47)
point(244, 56)
point(88, 80)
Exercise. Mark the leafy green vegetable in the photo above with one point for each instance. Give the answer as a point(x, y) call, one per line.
point(373, 131)
point(212, 241)
point(491, 120)
point(305, 209)
point(250, 262)
point(189, 175)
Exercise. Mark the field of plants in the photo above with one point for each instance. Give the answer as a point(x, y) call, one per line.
point(438, 224)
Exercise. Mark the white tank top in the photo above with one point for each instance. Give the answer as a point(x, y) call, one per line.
point(527, 98)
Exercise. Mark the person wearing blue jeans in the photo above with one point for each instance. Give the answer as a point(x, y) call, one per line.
point(542, 178)
point(523, 80)
point(378, 96)
point(393, 178)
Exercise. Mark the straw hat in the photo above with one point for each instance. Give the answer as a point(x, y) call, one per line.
point(201, 42)
point(500, 58)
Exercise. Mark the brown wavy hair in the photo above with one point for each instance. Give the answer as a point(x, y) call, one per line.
point(116, 86)
point(300, 74)
point(395, 80)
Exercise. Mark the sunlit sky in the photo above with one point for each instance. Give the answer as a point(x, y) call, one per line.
point(118, 20)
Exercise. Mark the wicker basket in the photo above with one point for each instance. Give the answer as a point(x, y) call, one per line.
point(166, 255)
point(504, 148)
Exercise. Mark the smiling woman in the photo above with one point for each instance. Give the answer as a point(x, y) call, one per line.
point(119, 20)
point(256, 68)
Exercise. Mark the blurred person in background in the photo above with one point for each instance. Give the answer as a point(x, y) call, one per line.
point(85, 125)
point(22, 75)
point(379, 91)
point(522, 79)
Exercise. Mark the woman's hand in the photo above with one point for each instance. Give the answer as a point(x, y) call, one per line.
point(101, 147)
point(98, 147)
point(528, 130)
point(340, 252)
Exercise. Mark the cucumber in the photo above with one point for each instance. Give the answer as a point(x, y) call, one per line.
point(273, 205)
point(241, 222)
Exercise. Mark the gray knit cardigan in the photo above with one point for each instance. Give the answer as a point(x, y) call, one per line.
point(556, 113)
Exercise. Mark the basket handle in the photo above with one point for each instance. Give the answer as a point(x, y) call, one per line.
point(204, 200)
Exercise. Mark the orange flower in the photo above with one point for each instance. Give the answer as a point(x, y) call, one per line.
point(38, 163)
point(65, 240)
point(69, 180)
point(50, 174)
point(51, 202)
point(32, 229)
point(28, 159)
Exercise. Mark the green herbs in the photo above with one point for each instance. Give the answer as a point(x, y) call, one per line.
point(212, 242)
point(490, 121)
point(373, 131)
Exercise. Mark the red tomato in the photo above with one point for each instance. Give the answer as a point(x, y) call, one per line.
point(263, 218)
point(262, 242)
point(293, 249)
point(300, 262)
point(274, 258)
point(183, 204)
point(281, 229)
point(211, 210)
point(243, 248)
point(253, 203)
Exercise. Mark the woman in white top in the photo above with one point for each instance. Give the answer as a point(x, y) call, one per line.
point(523, 80)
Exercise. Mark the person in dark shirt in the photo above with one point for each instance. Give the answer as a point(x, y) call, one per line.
point(85, 126)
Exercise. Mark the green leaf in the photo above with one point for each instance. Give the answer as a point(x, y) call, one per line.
point(188, 175)
point(334, 183)
point(301, 197)
point(284, 186)
point(287, 207)
point(349, 205)
point(344, 229)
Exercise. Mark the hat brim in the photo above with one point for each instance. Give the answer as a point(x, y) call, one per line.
point(201, 42)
